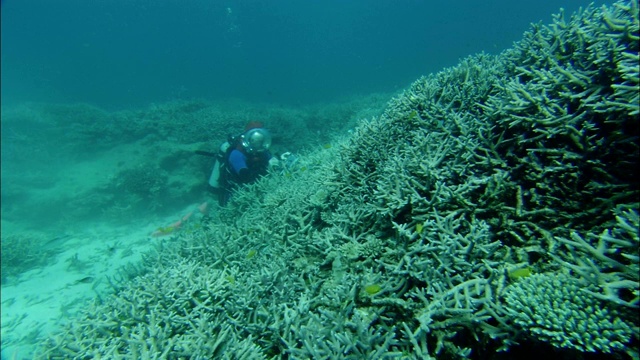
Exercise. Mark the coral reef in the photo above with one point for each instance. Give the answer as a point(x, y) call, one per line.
point(162, 315)
point(554, 308)
point(23, 251)
point(405, 239)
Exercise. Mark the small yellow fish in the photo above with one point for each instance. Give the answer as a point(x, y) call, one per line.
point(520, 273)
point(162, 231)
point(372, 289)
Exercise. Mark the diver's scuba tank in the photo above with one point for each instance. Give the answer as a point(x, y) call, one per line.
point(216, 179)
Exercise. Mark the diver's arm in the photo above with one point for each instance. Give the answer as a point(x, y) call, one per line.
point(238, 163)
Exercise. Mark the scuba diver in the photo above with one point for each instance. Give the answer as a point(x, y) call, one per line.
point(241, 159)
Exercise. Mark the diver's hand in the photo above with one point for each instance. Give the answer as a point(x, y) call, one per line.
point(275, 164)
point(285, 156)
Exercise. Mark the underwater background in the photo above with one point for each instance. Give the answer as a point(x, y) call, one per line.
point(460, 185)
point(117, 54)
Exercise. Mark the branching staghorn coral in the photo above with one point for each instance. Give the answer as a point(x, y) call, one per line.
point(555, 308)
point(167, 313)
point(24, 251)
point(572, 138)
point(612, 265)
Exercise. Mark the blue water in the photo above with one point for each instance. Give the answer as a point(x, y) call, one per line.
point(123, 53)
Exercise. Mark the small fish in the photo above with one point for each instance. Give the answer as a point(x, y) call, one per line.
point(56, 239)
point(372, 289)
point(162, 231)
point(84, 280)
point(520, 273)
